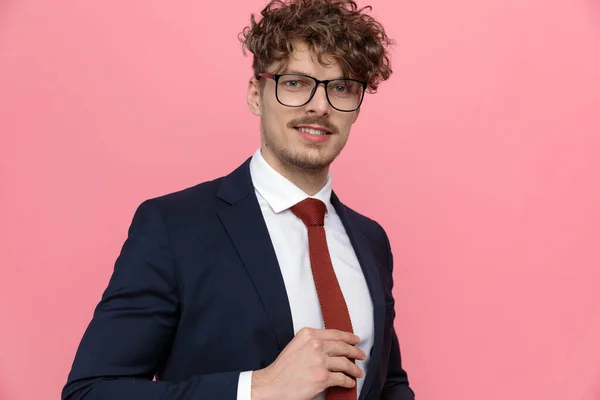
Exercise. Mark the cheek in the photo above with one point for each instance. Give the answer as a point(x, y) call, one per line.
point(271, 108)
point(345, 124)
point(276, 120)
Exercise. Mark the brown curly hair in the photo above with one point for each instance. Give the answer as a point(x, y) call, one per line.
point(336, 28)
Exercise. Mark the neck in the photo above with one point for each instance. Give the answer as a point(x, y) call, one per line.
point(309, 181)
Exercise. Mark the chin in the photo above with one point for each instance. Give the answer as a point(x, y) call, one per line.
point(311, 162)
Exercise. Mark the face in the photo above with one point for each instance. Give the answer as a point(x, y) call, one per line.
point(287, 133)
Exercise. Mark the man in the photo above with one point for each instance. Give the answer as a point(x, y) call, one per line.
point(261, 284)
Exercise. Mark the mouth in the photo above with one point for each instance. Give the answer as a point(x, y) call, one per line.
point(313, 130)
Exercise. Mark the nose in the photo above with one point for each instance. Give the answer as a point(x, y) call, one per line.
point(319, 105)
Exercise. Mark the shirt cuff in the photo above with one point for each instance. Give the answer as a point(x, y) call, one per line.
point(244, 391)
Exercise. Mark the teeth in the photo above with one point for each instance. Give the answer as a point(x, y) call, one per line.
point(312, 131)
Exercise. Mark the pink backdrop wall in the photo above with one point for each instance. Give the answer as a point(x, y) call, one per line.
point(481, 157)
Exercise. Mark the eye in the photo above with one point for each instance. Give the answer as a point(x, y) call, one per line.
point(295, 82)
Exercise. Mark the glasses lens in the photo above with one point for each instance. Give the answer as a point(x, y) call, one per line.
point(295, 90)
point(345, 94)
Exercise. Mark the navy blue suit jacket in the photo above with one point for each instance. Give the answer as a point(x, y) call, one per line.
point(197, 296)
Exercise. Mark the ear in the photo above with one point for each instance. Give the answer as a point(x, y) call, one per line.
point(254, 99)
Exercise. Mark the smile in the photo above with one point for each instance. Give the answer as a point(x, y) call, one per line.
point(313, 131)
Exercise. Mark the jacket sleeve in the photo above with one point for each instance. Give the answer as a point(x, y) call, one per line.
point(396, 386)
point(133, 326)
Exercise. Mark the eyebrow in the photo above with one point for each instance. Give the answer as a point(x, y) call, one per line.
point(297, 72)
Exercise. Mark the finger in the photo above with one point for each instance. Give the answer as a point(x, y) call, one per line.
point(342, 364)
point(337, 348)
point(334, 334)
point(340, 379)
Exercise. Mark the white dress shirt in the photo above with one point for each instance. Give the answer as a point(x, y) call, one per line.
point(289, 236)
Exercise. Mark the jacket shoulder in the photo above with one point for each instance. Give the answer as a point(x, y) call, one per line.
point(183, 204)
point(371, 228)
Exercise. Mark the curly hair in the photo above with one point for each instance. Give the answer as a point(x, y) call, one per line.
point(335, 28)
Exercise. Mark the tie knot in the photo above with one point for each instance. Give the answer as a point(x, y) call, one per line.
point(311, 212)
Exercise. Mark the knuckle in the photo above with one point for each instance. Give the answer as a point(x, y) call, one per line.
point(320, 360)
point(349, 366)
point(349, 382)
point(305, 332)
point(344, 349)
point(320, 375)
point(344, 380)
point(316, 344)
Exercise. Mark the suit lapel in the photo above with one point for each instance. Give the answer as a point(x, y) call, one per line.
point(368, 265)
point(243, 220)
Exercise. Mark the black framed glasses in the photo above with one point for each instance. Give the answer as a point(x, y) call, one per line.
point(297, 90)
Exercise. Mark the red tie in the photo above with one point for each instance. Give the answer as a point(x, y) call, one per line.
point(333, 306)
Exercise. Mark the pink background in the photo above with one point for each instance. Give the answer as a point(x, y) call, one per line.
point(481, 157)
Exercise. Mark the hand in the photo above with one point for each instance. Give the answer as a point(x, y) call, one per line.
point(312, 362)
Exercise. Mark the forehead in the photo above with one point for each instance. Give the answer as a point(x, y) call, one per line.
point(304, 60)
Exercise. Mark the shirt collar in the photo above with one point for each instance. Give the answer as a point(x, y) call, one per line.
point(278, 191)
